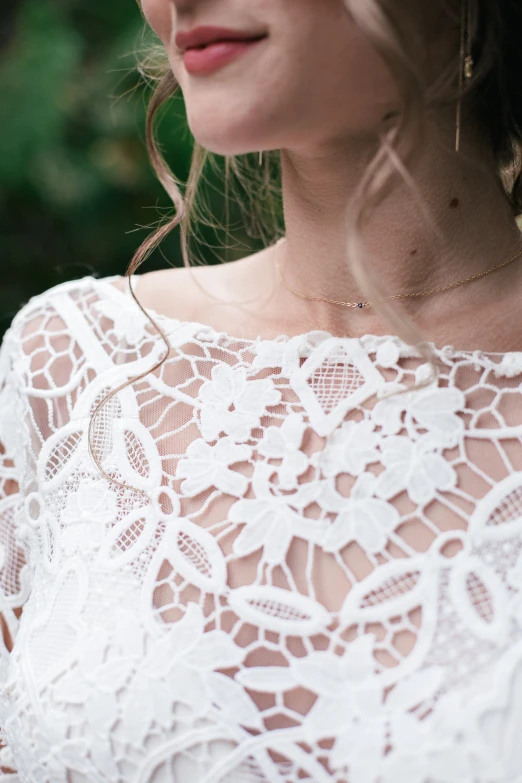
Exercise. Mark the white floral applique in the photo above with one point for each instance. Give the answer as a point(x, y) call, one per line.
point(208, 467)
point(388, 353)
point(353, 708)
point(93, 501)
point(321, 491)
point(284, 443)
point(269, 353)
point(173, 669)
point(351, 705)
point(130, 324)
point(60, 756)
point(155, 674)
point(230, 386)
point(430, 748)
point(510, 366)
point(365, 519)
point(414, 467)
point(84, 537)
point(432, 408)
point(350, 449)
point(269, 521)
point(286, 352)
point(496, 715)
point(86, 514)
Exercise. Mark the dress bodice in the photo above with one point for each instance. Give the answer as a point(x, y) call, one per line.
point(294, 573)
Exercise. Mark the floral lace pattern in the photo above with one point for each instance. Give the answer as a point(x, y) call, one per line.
point(305, 578)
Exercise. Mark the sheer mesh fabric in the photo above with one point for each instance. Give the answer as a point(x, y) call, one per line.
point(302, 579)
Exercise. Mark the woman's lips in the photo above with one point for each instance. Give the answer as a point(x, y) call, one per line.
point(209, 58)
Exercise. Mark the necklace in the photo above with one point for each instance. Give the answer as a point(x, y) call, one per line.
point(396, 296)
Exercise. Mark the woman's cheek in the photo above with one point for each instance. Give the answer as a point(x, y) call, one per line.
point(158, 14)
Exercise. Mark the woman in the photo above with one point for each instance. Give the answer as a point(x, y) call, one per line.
point(288, 547)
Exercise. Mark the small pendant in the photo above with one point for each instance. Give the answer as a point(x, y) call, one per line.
point(468, 66)
point(360, 304)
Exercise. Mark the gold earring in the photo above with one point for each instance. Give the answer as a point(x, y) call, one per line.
point(466, 62)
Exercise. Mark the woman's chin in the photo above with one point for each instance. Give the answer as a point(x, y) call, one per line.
point(227, 144)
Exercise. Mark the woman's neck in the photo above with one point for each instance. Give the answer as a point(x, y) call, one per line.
point(469, 209)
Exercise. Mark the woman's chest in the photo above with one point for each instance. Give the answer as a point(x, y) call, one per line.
point(276, 583)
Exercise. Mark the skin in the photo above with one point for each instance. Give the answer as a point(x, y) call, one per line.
point(317, 90)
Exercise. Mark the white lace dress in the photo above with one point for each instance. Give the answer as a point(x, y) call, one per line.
point(304, 582)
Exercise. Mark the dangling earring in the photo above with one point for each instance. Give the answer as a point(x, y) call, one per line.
point(466, 63)
point(260, 158)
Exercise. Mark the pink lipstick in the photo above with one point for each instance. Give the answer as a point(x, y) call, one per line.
point(205, 49)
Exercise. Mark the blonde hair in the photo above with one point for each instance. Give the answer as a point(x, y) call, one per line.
point(493, 96)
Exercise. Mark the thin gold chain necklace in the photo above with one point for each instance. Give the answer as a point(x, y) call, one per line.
point(396, 296)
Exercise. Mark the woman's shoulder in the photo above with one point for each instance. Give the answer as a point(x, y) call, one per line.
point(67, 320)
point(225, 295)
point(200, 293)
point(50, 302)
point(176, 292)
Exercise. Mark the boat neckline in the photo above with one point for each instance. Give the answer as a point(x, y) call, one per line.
point(303, 337)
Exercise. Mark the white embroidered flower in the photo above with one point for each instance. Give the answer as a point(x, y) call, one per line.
point(269, 353)
point(434, 409)
point(496, 716)
point(365, 519)
point(284, 443)
point(83, 537)
point(388, 353)
point(229, 387)
point(286, 353)
point(414, 467)
point(510, 366)
point(130, 324)
point(92, 502)
point(350, 449)
point(207, 466)
point(417, 756)
point(387, 348)
point(150, 675)
point(351, 697)
point(269, 522)
point(479, 715)
point(353, 708)
point(177, 667)
point(320, 491)
point(58, 755)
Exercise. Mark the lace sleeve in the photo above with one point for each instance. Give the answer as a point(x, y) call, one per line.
point(14, 582)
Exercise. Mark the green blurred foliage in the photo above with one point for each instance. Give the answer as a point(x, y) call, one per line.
point(77, 192)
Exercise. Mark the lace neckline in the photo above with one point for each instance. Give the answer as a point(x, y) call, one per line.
point(371, 342)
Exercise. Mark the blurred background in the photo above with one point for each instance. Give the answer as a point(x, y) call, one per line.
point(77, 193)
